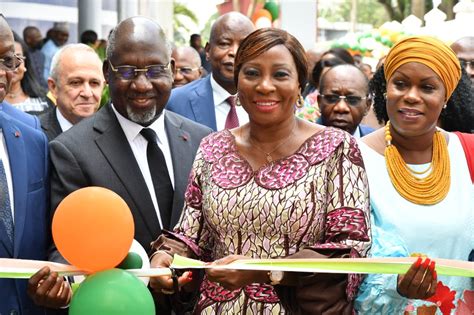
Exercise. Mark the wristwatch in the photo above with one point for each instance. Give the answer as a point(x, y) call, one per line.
point(275, 276)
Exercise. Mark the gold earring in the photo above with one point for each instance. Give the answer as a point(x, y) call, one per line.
point(237, 100)
point(300, 101)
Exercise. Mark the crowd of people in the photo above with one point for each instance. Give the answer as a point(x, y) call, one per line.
point(247, 148)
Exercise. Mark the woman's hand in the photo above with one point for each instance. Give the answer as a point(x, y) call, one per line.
point(232, 279)
point(164, 284)
point(48, 289)
point(420, 280)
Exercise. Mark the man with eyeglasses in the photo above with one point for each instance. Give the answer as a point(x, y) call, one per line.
point(188, 65)
point(211, 101)
point(132, 146)
point(343, 99)
point(464, 49)
point(24, 187)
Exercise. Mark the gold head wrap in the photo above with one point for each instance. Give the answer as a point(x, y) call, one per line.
point(429, 51)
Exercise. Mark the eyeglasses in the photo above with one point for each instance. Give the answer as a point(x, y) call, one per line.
point(186, 70)
point(131, 72)
point(11, 63)
point(467, 63)
point(352, 100)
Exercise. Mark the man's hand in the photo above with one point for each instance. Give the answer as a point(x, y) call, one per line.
point(48, 289)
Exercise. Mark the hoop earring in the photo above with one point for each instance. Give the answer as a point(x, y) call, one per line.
point(300, 101)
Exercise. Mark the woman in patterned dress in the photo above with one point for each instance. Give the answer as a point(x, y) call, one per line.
point(277, 187)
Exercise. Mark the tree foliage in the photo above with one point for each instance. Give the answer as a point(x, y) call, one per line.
point(180, 13)
point(369, 11)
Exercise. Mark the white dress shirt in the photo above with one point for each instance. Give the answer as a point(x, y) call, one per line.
point(8, 172)
point(222, 108)
point(63, 122)
point(139, 144)
point(357, 133)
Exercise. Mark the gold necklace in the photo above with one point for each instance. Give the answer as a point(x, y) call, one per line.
point(423, 191)
point(268, 155)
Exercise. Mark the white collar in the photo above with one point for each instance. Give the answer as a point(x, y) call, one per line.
point(132, 129)
point(357, 133)
point(63, 122)
point(218, 92)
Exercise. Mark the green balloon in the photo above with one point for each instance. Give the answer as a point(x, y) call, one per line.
point(131, 261)
point(112, 292)
point(272, 7)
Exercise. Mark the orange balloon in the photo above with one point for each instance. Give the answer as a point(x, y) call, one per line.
point(93, 229)
point(261, 13)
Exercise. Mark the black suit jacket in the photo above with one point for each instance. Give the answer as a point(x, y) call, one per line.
point(96, 153)
point(50, 124)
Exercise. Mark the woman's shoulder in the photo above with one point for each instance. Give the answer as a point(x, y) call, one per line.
point(324, 143)
point(217, 144)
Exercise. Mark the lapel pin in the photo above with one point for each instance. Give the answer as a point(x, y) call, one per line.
point(17, 134)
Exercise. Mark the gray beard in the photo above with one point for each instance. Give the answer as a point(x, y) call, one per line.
point(143, 117)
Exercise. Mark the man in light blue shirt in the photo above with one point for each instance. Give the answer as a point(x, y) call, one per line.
point(59, 36)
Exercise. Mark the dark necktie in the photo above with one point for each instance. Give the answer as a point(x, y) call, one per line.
point(160, 176)
point(5, 208)
point(232, 120)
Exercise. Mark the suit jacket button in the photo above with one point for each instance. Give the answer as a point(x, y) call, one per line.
point(14, 312)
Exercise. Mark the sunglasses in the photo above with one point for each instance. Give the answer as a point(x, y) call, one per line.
point(467, 63)
point(151, 71)
point(11, 63)
point(333, 99)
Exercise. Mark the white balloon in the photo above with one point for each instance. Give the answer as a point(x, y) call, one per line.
point(135, 248)
point(263, 22)
point(138, 249)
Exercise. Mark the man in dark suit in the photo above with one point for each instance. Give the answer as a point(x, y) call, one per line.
point(77, 82)
point(24, 187)
point(110, 149)
point(344, 99)
point(207, 101)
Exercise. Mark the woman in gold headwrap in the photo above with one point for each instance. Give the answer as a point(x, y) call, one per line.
point(421, 193)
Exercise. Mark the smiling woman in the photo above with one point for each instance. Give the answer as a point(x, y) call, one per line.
point(419, 178)
point(272, 188)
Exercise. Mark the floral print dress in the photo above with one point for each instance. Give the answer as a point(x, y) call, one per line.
point(315, 198)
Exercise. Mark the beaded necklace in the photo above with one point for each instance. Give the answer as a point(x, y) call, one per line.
point(423, 191)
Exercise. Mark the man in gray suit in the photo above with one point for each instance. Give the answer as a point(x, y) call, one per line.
point(111, 150)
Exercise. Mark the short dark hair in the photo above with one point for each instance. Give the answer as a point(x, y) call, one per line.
point(89, 37)
point(27, 29)
point(459, 112)
point(194, 37)
point(264, 39)
point(341, 53)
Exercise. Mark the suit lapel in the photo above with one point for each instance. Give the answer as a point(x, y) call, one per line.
point(181, 151)
point(202, 104)
point(117, 150)
point(18, 170)
point(50, 124)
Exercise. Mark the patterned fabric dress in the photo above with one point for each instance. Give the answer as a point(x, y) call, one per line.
point(316, 198)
